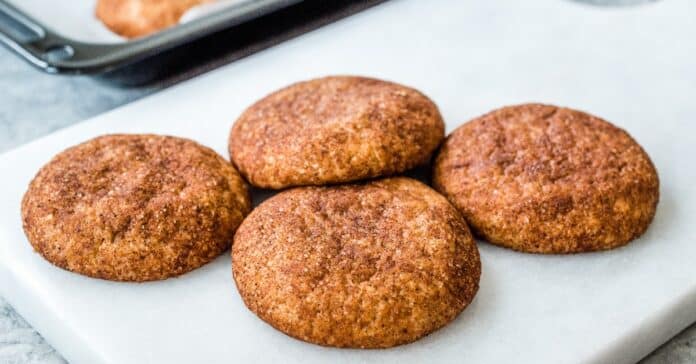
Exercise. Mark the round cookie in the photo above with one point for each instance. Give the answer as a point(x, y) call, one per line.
point(137, 18)
point(546, 179)
point(134, 207)
point(333, 130)
point(370, 265)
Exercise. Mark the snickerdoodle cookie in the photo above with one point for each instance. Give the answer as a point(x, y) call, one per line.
point(368, 265)
point(137, 18)
point(134, 207)
point(333, 130)
point(547, 179)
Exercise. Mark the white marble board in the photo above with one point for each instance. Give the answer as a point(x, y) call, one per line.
point(635, 66)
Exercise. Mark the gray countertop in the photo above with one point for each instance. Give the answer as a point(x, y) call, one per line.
point(33, 104)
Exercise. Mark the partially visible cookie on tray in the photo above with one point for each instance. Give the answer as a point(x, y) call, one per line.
point(334, 130)
point(366, 265)
point(546, 179)
point(137, 18)
point(134, 207)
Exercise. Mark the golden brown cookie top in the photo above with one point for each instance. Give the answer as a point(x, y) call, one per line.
point(137, 18)
point(369, 265)
point(536, 166)
point(332, 130)
point(134, 207)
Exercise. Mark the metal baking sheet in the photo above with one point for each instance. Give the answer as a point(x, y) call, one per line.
point(227, 33)
point(67, 38)
point(75, 19)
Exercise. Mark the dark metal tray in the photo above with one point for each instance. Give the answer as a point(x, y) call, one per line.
point(229, 34)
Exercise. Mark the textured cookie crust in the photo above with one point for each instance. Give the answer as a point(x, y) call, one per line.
point(546, 179)
point(137, 18)
point(332, 130)
point(370, 265)
point(134, 207)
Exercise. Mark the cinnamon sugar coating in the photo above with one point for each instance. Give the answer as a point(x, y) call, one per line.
point(546, 179)
point(333, 130)
point(134, 207)
point(369, 265)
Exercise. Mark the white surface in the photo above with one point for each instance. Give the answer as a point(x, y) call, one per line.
point(633, 66)
point(75, 19)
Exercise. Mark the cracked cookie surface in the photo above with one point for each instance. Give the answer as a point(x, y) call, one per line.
point(370, 265)
point(333, 130)
point(546, 179)
point(134, 207)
